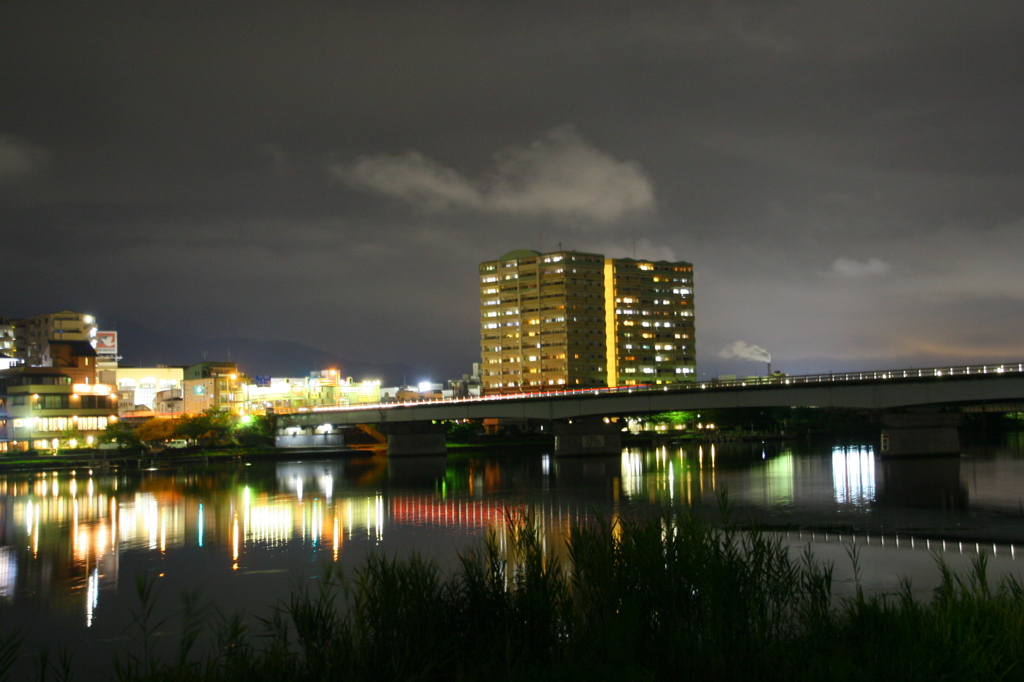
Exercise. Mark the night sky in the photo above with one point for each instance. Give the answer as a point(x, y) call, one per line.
point(846, 177)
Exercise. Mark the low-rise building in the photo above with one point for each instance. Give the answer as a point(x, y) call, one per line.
point(42, 408)
point(169, 402)
point(212, 385)
point(77, 359)
point(325, 388)
point(139, 386)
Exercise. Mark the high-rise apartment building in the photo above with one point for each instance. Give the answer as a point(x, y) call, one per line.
point(542, 321)
point(649, 322)
point(578, 320)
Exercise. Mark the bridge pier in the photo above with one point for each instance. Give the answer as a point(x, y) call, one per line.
point(414, 438)
point(323, 436)
point(920, 433)
point(587, 437)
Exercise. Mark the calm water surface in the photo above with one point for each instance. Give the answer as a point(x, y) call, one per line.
point(73, 544)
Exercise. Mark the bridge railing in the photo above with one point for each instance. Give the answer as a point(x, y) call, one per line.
point(773, 380)
point(874, 375)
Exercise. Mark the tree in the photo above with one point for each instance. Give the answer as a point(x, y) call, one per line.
point(465, 431)
point(254, 430)
point(122, 433)
point(212, 427)
point(72, 437)
point(155, 430)
point(686, 419)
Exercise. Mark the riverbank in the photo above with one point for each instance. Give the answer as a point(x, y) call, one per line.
point(136, 459)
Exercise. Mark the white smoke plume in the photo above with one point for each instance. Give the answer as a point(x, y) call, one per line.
point(746, 351)
point(561, 174)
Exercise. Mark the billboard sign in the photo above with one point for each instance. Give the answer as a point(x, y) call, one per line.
point(106, 343)
point(262, 380)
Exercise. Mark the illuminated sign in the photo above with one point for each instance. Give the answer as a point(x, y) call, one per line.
point(106, 343)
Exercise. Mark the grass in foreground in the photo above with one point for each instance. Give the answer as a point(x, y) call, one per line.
point(664, 599)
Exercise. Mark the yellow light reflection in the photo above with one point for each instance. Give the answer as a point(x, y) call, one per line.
point(234, 542)
point(336, 540)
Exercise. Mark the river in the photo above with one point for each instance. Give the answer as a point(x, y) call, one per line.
point(74, 543)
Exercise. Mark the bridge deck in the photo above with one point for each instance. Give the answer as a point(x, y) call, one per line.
point(889, 389)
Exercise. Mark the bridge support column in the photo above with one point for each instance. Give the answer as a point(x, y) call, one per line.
point(414, 438)
point(920, 433)
point(325, 436)
point(587, 437)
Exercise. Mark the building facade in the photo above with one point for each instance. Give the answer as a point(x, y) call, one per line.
point(542, 322)
point(7, 359)
point(169, 403)
point(138, 387)
point(77, 359)
point(43, 408)
point(326, 388)
point(212, 385)
point(32, 334)
point(569, 319)
point(649, 322)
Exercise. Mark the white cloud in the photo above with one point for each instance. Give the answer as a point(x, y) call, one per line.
point(559, 175)
point(19, 157)
point(852, 269)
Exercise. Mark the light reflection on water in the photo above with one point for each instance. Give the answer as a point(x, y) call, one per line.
point(853, 474)
point(70, 544)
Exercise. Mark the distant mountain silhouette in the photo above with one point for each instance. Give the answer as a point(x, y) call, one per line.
point(142, 347)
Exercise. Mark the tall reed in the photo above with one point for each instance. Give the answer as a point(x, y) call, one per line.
point(667, 598)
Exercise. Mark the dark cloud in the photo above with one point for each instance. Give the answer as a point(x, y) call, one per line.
point(846, 177)
point(558, 176)
point(20, 158)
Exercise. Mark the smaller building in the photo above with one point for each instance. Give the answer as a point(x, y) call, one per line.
point(324, 388)
point(169, 402)
point(212, 385)
point(42, 408)
point(138, 386)
point(76, 359)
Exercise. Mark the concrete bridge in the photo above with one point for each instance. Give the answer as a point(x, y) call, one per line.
point(921, 408)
